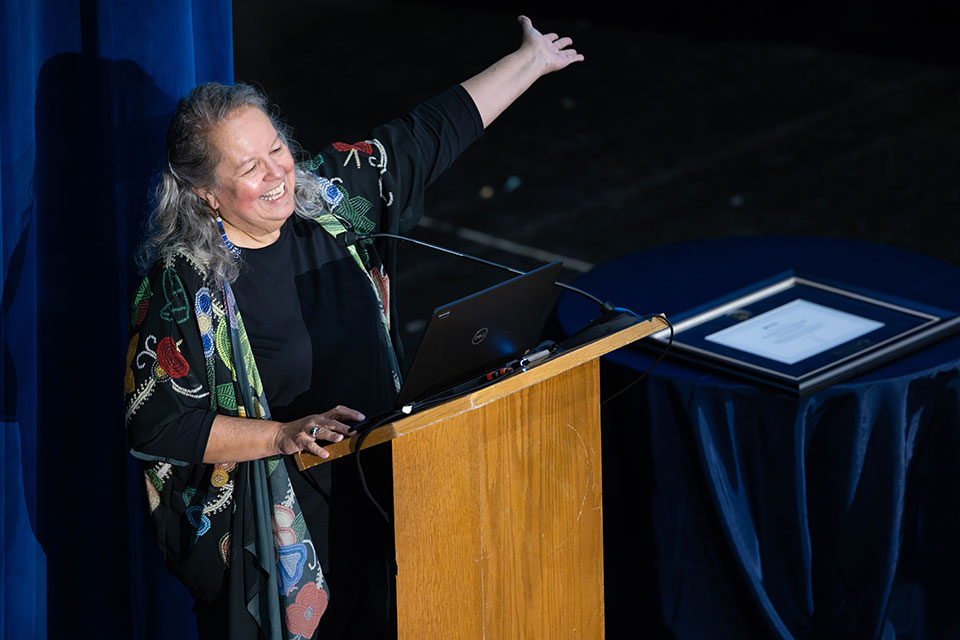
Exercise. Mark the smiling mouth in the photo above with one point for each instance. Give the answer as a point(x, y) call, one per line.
point(275, 194)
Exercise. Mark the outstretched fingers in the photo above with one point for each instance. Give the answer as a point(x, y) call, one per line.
point(552, 49)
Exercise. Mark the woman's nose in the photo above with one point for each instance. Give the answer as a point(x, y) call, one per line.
point(274, 170)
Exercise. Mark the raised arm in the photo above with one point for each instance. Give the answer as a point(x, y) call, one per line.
point(495, 88)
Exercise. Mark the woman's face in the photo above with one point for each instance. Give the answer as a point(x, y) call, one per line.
point(256, 175)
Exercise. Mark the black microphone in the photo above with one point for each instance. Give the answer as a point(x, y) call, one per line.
point(346, 239)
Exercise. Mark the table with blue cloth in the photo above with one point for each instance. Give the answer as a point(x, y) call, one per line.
point(736, 510)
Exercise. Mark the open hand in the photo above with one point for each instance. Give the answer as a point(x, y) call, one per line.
point(552, 51)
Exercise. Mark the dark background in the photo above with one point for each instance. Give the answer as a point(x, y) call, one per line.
point(692, 120)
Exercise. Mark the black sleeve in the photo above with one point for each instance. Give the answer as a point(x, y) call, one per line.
point(378, 184)
point(425, 142)
point(182, 439)
point(168, 403)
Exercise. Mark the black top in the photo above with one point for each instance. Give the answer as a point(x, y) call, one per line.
point(314, 325)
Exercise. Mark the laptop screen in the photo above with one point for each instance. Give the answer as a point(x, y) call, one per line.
point(481, 332)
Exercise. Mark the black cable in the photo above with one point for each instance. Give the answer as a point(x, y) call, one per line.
point(315, 486)
point(350, 238)
point(643, 375)
point(356, 457)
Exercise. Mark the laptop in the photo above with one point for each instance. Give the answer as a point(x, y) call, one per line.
point(485, 330)
point(469, 337)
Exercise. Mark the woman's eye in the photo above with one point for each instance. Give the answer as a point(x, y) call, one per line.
point(277, 150)
point(250, 170)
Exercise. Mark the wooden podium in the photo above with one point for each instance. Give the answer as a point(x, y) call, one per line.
point(497, 504)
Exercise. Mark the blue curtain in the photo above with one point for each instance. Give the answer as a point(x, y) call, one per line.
point(88, 90)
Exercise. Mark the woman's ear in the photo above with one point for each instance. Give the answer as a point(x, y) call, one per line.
point(209, 197)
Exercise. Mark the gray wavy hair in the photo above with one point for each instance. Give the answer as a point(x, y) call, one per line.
point(181, 221)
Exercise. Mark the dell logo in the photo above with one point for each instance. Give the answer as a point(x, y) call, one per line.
point(479, 336)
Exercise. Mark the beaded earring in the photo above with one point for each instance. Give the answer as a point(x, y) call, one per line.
point(234, 249)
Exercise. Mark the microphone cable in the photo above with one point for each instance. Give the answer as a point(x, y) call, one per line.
point(643, 375)
point(348, 238)
point(361, 437)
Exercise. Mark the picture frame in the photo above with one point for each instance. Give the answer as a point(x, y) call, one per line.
point(801, 333)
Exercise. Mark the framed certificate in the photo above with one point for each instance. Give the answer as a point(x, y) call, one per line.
point(802, 334)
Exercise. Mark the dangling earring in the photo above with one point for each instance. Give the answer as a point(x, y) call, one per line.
point(232, 248)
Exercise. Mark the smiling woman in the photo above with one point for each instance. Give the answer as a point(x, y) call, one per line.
point(255, 179)
point(216, 399)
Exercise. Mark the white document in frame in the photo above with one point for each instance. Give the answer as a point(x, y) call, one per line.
point(794, 331)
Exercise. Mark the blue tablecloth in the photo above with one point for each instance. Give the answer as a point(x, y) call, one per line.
point(832, 515)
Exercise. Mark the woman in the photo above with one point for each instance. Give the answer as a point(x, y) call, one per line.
point(216, 398)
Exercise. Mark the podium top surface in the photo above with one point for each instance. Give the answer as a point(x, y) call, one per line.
point(535, 373)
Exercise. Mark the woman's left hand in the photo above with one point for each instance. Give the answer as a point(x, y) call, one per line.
point(550, 50)
point(496, 87)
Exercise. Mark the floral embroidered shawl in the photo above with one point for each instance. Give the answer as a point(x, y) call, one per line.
point(189, 351)
point(237, 528)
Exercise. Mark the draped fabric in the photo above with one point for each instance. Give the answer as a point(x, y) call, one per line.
point(88, 90)
point(834, 515)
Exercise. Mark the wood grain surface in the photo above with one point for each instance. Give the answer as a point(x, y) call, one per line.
point(499, 517)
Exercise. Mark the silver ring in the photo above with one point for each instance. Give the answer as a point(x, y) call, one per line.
point(314, 431)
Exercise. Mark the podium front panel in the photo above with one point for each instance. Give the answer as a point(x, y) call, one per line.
point(499, 528)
